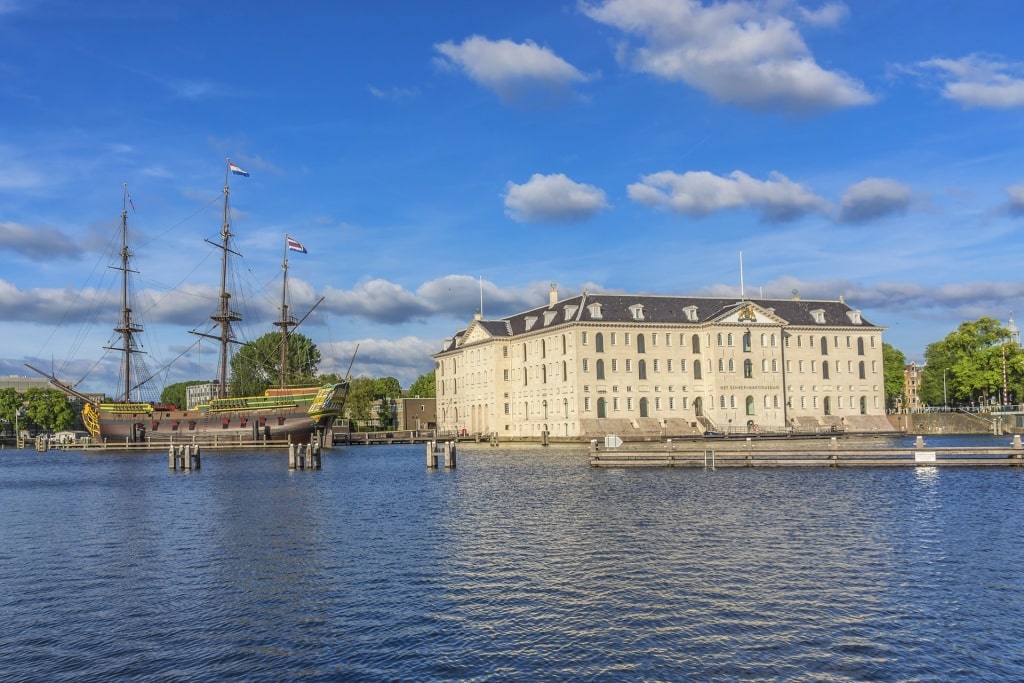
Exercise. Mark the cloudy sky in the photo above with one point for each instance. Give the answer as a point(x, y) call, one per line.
point(425, 153)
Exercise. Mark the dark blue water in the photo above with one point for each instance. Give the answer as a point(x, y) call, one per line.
point(521, 564)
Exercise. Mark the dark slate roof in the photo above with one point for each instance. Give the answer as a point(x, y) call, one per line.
point(615, 308)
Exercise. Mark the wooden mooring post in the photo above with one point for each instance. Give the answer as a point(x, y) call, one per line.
point(435, 449)
point(304, 456)
point(186, 457)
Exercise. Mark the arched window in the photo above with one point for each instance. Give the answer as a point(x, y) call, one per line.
point(750, 405)
point(544, 375)
point(828, 405)
point(696, 368)
point(721, 365)
point(641, 347)
point(698, 407)
point(824, 345)
point(732, 365)
point(643, 407)
point(746, 341)
point(599, 342)
point(719, 339)
point(565, 371)
point(728, 339)
point(721, 400)
point(563, 345)
point(860, 346)
point(748, 368)
point(600, 368)
point(860, 370)
point(696, 343)
point(641, 369)
point(863, 405)
point(602, 407)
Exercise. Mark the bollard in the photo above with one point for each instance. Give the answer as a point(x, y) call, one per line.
point(544, 438)
point(195, 454)
point(431, 455)
point(449, 455)
point(172, 463)
point(186, 458)
point(315, 456)
point(291, 456)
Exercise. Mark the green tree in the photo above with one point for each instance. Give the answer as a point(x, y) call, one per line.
point(10, 402)
point(257, 365)
point(48, 409)
point(424, 387)
point(893, 365)
point(176, 394)
point(970, 364)
point(386, 387)
point(359, 400)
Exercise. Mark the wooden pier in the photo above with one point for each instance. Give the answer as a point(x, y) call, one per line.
point(811, 453)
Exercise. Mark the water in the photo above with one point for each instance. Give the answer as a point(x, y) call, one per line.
point(521, 564)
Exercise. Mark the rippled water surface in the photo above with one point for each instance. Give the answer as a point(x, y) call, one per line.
point(521, 564)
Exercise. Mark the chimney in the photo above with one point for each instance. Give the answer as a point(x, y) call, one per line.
point(553, 295)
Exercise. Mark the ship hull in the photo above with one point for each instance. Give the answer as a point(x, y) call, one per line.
point(283, 424)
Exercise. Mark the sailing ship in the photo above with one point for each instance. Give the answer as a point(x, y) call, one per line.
point(296, 414)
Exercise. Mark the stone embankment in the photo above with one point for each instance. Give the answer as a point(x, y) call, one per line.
point(958, 423)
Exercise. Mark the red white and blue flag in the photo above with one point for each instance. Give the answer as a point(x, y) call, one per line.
point(236, 170)
point(294, 245)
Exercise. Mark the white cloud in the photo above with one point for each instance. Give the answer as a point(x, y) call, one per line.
point(552, 198)
point(827, 15)
point(975, 81)
point(873, 198)
point(37, 243)
point(1015, 206)
point(699, 193)
point(512, 70)
point(738, 52)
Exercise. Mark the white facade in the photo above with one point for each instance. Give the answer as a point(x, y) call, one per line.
point(664, 365)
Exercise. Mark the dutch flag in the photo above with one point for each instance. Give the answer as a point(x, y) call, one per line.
point(236, 170)
point(294, 245)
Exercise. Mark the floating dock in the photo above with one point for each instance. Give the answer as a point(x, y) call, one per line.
point(751, 452)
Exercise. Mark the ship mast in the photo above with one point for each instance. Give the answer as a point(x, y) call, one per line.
point(127, 328)
point(286, 322)
point(224, 315)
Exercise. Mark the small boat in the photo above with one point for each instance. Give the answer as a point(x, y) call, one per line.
point(296, 414)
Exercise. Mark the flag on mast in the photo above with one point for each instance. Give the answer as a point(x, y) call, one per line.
point(294, 245)
point(236, 170)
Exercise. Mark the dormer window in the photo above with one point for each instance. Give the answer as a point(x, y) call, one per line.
point(530, 321)
point(854, 317)
point(637, 310)
point(819, 316)
point(570, 311)
point(691, 313)
point(595, 311)
point(549, 316)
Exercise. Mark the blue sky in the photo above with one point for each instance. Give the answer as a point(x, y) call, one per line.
point(423, 152)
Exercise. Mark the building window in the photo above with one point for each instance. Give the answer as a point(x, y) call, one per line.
point(719, 339)
point(614, 338)
point(583, 338)
point(654, 364)
point(728, 339)
point(748, 368)
point(586, 365)
point(629, 365)
point(641, 369)
point(586, 404)
point(615, 364)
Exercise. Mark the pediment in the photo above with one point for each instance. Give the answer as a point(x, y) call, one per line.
point(476, 333)
point(749, 313)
